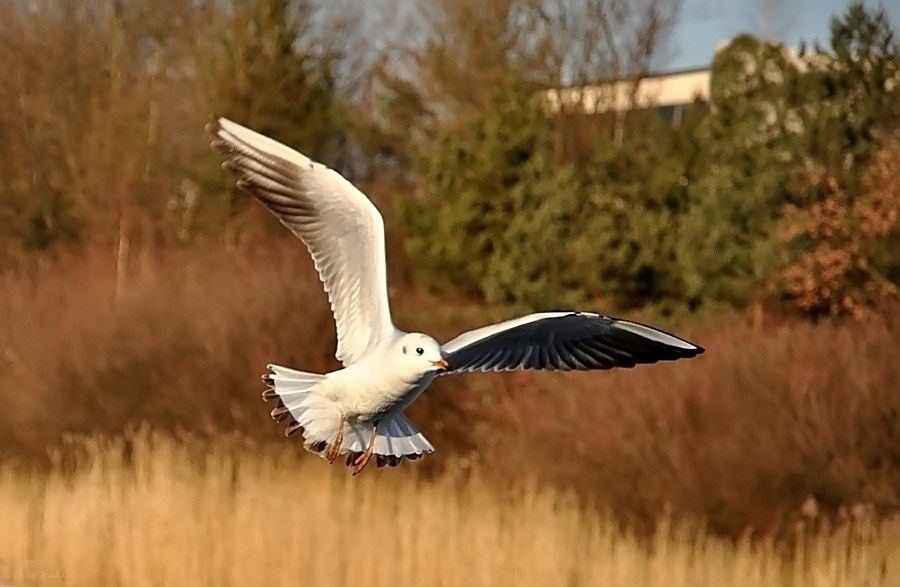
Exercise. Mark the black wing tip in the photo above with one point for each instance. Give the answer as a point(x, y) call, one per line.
point(222, 140)
point(293, 428)
point(213, 126)
point(686, 353)
point(665, 342)
point(382, 461)
point(219, 142)
point(281, 412)
point(270, 392)
point(570, 340)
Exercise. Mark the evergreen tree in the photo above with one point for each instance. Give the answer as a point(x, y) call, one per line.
point(498, 214)
point(729, 236)
point(842, 234)
point(264, 72)
point(639, 188)
point(852, 94)
point(272, 79)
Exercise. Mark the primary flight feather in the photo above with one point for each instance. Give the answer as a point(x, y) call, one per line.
point(358, 410)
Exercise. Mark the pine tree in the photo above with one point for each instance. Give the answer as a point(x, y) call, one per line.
point(499, 216)
point(639, 188)
point(273, 81)
point(842, 227)
point(264, 72)
point(729, 237)
point(853, 94)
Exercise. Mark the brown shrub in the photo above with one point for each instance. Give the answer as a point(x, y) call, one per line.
point(740, 436)
point(183, 346)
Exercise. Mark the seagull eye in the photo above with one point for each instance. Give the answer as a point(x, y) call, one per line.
point(419, 351)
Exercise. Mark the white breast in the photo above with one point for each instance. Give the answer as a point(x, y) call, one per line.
point(374, 387)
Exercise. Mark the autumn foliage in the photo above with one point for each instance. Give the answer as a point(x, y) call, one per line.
point(837, 273)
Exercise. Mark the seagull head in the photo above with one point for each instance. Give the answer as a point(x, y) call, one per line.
point(423, 353)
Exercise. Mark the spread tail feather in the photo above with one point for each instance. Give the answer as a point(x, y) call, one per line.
point(397, 437)
point(318, 420)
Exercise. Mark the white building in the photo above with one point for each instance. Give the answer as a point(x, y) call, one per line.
point(665, 91)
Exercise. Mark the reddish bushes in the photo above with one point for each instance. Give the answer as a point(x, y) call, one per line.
point(840, 237)
point(184, 346)
point(741, 436)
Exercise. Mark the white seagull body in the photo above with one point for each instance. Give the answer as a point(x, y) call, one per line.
point(358, 410)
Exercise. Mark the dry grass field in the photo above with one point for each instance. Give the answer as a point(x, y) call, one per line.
point(155, 511)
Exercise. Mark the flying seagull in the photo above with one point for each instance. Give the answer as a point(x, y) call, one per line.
point(358, 410)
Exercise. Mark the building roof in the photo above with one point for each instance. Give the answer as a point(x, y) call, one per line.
point(653, 90)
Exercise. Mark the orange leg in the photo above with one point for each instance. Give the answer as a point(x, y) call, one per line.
point(336, 447)
point(360, 463)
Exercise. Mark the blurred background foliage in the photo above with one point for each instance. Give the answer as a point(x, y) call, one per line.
point(137, 284)
point(106, 98)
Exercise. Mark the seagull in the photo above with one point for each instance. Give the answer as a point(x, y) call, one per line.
point(358, 410)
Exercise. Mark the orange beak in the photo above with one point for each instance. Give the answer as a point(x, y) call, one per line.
point(444, 365)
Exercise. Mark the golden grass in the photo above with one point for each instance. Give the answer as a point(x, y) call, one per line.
point(155, 511)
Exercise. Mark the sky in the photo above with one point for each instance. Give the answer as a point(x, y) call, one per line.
point(702, 26)
point(706, 23)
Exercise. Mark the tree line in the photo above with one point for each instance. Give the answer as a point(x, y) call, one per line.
point(784, 188)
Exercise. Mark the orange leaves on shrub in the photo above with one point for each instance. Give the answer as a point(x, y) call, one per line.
point(839, 236)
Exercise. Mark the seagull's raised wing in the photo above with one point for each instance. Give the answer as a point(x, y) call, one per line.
point(339, 225)
point(563, 341)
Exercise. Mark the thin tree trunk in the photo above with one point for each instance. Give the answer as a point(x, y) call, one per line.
point(122, 247)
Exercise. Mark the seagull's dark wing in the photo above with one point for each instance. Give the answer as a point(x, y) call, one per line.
point(563, 341)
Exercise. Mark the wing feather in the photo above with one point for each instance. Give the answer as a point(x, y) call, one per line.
point(338, 224)
point(563, 341)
